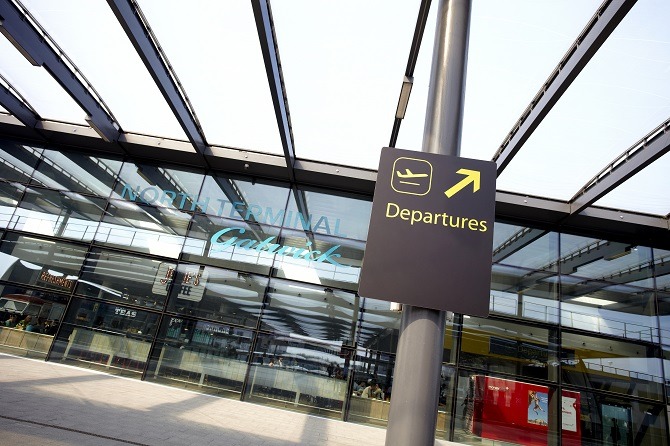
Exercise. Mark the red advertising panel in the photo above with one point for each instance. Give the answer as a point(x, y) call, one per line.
point(517, 412)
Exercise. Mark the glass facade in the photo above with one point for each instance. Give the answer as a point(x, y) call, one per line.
point(246, 288)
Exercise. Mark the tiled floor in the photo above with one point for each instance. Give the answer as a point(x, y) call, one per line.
point(50, 404)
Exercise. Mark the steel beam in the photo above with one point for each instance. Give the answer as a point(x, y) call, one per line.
point(40, 50)
point(421, 20)
point(17, 105)
point(601, 25)
point(637, 157)
point(268, 41)
point(136, 27)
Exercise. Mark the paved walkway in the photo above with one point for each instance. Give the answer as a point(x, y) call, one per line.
point(51, 404)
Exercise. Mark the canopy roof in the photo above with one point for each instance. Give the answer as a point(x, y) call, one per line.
point(569, 98)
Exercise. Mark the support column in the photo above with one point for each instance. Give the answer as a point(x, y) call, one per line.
point(416, 378)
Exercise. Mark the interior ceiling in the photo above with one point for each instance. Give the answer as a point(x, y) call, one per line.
point(570, 99)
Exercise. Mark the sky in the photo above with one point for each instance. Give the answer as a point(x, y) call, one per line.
point(343, 64)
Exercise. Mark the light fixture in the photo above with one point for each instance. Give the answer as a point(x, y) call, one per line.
point(17, 45)
point(406, 89)
point(593, 301)
point(395, 306)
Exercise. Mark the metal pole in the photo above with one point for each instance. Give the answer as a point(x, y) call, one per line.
point(416, 379)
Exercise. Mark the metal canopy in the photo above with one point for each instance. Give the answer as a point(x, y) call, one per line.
point(605, 20)
point(578, 215)
point(17, 105)
point(268, 41)
point(637, 157)
point(144, 41)
point(40, 50)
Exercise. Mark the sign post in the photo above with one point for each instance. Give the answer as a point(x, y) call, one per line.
point(416, 380)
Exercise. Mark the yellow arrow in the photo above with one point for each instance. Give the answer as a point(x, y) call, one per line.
point(473, 176)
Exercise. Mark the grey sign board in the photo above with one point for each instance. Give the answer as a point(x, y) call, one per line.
point(431, 232)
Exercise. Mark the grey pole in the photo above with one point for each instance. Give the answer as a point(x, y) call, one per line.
point(416, 378)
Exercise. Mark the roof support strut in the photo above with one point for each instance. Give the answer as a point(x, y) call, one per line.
point(40, 50)
point(268, 40)
point(601, 25)
point(637, 157)
point(136, 27)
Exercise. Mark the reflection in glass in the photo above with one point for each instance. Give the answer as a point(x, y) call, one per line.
point(124, 278)
point(146, 229)
point(109, 337)
point(204, 356)
point(256, 202)
point(607, 288)
point(610, 420)
point(616, 366)
point(28, 320)
point(18, 161)
point(299, 373)
point(328, 214)
point(212, 293)
point(506, 347)
point(60, 214)
point(10, 194)
point(372, 376)
point(76, 172)
point(39, 262)
point(379, 326)
point(311, 311)
point(524, 273)
point(315, 258)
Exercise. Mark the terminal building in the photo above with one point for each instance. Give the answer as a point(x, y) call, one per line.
point(234, 272)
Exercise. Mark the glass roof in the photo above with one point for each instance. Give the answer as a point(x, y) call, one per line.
point(343, 66)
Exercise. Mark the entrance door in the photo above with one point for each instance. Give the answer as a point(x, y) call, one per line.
point(617, 429)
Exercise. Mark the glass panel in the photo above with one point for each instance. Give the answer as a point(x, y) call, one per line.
point(77, 172)
point(146, 229)
point(253, 201)
point(108, 337)
point(60, 214)
point(28, 320)
point(124, 278)
point(43, 263)
point(615, 366)
point(291, 371)
point(10, 194)
point(160, 186)
point(371, 387)
point(217, 294)
point(233, 244)
point(492, 410)
point(147, 112)
point(230, 91)
point(203, 356)
point(607, 288)
point(505, 347)
point(524, 273)
point(328, 214)
point(611, 115)
point(321, 259)
point(613, 421)
point(662, 280)
point(38, 87)
point(378, 327)
point(17, 161)
point(315, 313)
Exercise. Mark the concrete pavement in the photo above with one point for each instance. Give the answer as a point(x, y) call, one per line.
point(51, 404)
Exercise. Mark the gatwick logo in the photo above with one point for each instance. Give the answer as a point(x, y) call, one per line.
point(267, 245)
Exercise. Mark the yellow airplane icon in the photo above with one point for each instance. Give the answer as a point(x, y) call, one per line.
point(408, 174)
